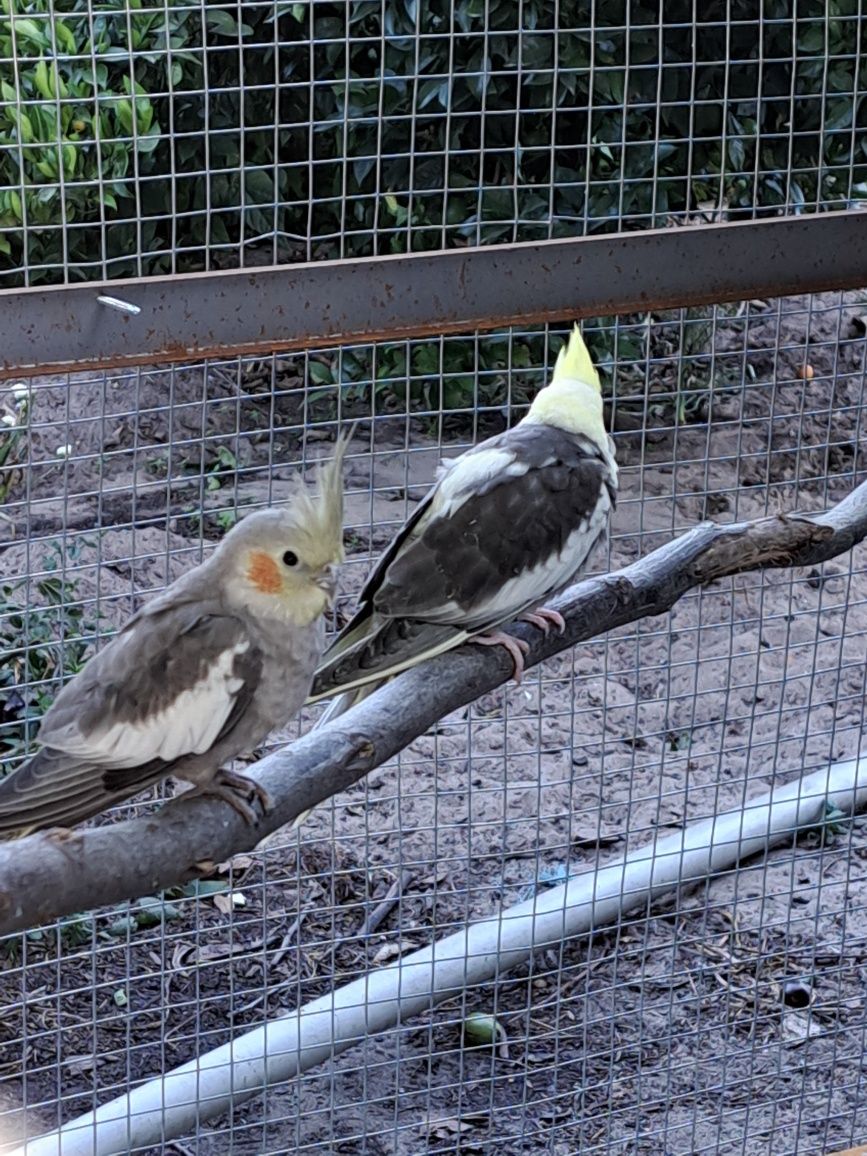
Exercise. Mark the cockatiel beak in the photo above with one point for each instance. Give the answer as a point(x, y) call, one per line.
point(327, 582)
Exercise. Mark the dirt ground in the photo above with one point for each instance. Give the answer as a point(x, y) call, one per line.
point(676, 1031)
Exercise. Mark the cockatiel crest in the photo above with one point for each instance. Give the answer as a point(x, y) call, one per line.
point(573, 400)
point(282, 562)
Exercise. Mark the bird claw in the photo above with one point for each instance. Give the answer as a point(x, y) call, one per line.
point(544, 618)
point(236, 790)
point(516, 647)
point(247, 786)
point(62, 834)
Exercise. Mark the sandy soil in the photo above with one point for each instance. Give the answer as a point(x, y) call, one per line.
point(665, 1034)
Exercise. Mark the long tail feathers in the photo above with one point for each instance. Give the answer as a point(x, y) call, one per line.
point(344, 702)
point(329, 674)
point(378, 652)
point(53, 790)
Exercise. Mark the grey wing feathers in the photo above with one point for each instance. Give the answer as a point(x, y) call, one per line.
point(363, 643)
point(456, 568)
point(52, 790)
point(377, 574)
point(447, 576)
point(150, 691)
point(141, 673)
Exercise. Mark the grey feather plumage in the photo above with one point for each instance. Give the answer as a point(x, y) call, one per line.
point(140, 674)
point(199, 676)
point(450, 575)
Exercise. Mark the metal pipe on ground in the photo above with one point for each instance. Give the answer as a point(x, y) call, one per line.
point(175, 1104)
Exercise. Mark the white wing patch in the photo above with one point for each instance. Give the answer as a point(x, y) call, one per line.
point(470, 473)
point(189, 725)
point(459, 479)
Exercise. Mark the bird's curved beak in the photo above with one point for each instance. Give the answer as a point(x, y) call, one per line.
point(327, 581)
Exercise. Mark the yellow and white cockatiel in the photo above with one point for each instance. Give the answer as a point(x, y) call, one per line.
point(508, 524)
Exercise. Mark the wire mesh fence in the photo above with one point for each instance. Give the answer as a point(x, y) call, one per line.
point(726, 1018)
point(144, 139)
point(166, 137)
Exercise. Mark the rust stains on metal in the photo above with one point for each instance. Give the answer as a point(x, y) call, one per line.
point(239, 313)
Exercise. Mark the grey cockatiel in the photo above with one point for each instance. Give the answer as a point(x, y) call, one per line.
point(201, 674)
point(507, 525)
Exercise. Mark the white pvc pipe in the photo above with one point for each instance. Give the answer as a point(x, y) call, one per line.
point(175, 1104)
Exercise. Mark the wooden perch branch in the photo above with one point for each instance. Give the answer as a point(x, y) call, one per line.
point(53, 874)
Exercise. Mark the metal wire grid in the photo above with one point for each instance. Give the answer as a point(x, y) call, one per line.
point(270, 132)
point(666, 1032)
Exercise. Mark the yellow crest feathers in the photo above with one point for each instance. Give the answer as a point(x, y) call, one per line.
point(572, 401)
point(574, 361)
point(316, 512)
point(329, 488)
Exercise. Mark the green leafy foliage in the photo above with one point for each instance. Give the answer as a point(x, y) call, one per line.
point(429, 376)
point(146, 136)
point(43, 645)
point(660, 360)
point(79, 134)
point(14, 422)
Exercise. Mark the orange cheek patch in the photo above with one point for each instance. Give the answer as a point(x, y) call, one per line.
point(264, 573)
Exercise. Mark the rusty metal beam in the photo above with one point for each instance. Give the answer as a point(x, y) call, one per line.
point(304, 306)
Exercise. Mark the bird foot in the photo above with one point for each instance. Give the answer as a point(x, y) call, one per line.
point(238, 791)
point(516, 647)
point(61, 834)
point(543, 619)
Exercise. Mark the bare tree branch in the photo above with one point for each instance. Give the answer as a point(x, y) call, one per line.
point(52, 874)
